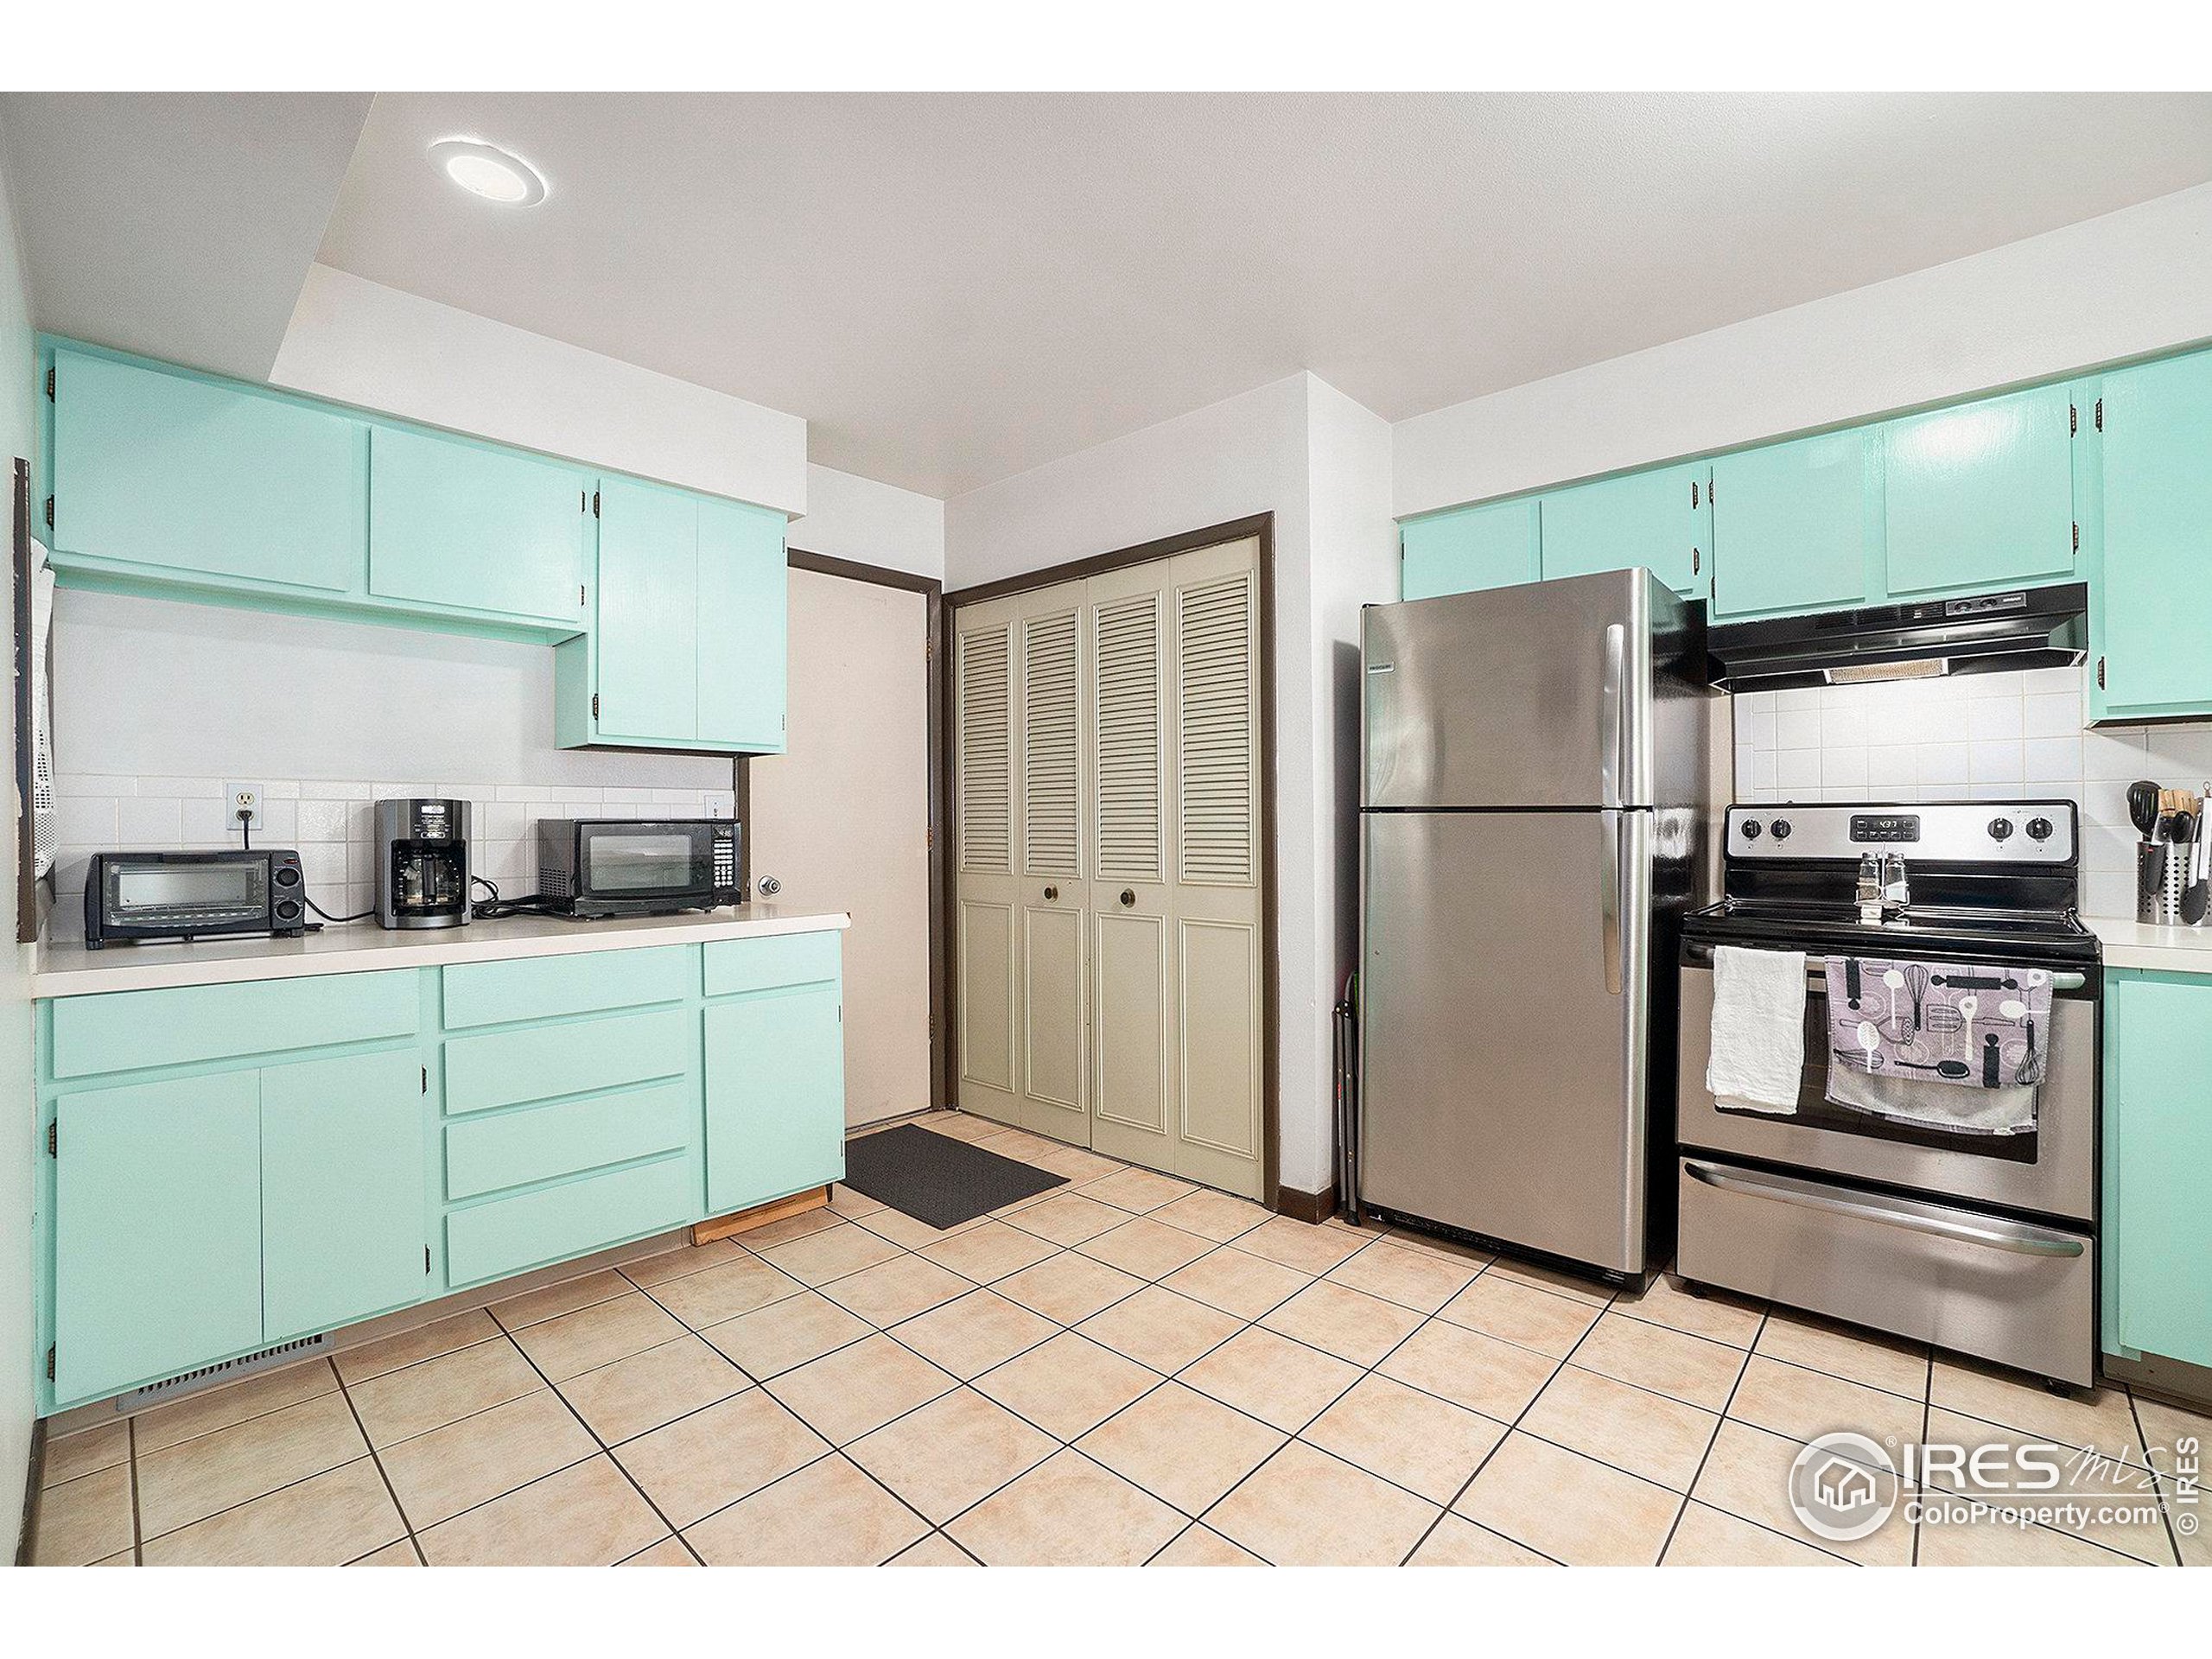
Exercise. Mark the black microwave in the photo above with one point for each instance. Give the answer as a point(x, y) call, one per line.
point(637, 867)
point(193, 895)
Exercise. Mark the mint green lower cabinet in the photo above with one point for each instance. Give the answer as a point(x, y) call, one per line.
point(1469, 549)
point(744, 626)
point(461, 526)
point(1661, 519)
point(505, 1068)
point(550, 988)
point(342, 1221)
point(775, 1096)
point(185, 476)
point(1790, 529)
point(508, 1236)
point(2157, 1149)
point(2154, 600)
point(156, 1230)
point(499, 1150)
point(1981, 495)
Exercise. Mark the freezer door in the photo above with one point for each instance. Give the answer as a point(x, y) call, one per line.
point(1505, 1019)
point(1540, 695)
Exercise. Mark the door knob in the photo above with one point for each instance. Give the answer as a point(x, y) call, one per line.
point(1129, 898)
point(1051, 893)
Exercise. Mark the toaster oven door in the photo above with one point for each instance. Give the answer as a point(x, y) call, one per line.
point(158, 894)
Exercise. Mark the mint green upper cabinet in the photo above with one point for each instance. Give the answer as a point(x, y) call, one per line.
point(2154, 598)
point(190, 478)
point(1659, 520)
point(157, 1230)
point(1472, 548)
point(342, 1191)
point(648, 612)
point(744, 622)
point(775, 1096)
point(458, 525)
point(1790, 530)
point(1981, 495)
point(2158, 1166)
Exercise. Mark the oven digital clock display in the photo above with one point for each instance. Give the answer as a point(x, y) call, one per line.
point(1886, 826)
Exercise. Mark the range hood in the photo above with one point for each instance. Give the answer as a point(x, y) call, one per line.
point(2023, 627)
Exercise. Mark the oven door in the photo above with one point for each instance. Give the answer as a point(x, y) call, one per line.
point(164, 894)
point(2051, 1172)
point(635, 863)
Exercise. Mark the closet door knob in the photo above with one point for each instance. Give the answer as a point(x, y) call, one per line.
point(1051, 893)
point(1129, 898)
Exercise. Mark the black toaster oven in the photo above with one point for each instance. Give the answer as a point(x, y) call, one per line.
point(193, 895)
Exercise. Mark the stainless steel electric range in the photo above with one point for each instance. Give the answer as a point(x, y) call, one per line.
point(1982, 1243)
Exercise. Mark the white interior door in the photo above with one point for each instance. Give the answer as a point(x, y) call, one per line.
point(842, 820)
point(1052, 920)
point(987, 991)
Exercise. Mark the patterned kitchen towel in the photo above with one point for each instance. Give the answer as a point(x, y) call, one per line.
point(1984, 1027)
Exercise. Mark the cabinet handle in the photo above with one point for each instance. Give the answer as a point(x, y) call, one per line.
point(1051, 893)
point(1129, 898)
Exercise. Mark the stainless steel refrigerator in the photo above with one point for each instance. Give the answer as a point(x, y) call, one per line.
point(1533, 768)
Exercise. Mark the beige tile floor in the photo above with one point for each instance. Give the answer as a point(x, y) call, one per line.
point(1127, 1369)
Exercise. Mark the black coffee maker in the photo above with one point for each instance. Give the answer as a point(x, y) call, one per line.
point(421, 863)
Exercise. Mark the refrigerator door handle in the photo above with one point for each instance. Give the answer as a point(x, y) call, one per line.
point(1610, 942)
point(1609, 715)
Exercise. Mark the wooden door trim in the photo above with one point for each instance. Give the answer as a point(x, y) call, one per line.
point(938, 716)
point(1261, 525)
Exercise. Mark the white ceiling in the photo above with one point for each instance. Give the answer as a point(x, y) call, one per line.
point(956, 288)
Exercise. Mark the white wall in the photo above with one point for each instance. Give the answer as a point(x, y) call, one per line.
point(16, 1404)
point(2133, 282)
point(848, 516)
point(363, 343)
point(1320, 463)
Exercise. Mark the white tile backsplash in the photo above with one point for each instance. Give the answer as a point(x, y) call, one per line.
point(331, 825)
point(1980, 737)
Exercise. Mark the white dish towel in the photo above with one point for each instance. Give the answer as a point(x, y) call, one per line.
point(1758, 1029)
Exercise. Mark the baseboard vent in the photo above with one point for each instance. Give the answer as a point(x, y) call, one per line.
point(228, 1371)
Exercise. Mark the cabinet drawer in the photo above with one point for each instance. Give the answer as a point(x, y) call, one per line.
point(124, 1031)
point(516, 1148)
point(505, 1068)
point(510, 1236)
point(546, 988)
point(734, 965)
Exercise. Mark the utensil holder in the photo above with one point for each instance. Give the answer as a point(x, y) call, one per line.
point(2158, 881)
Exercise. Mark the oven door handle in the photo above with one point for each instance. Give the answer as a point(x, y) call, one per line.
point(1816, 973)
point(2016, 1238)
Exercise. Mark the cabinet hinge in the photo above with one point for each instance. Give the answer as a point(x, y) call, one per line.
point(426, 1079)
point(1697, 561)
point(49, 1364)
point(595, 504)
point(2100, 673)
point(49, 385)
point(2101, 415)
point(580, 595)
point(2073, 420)
point(53, 1138)
point(426, 1258)
point(1693, 493)
point(595, 705)
point(2077, 538)
point(49, 513)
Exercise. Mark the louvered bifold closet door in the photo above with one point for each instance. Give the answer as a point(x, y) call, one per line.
point(1054, 929)
point(1132, 1012)
point(1217, 842)
point(987, 989)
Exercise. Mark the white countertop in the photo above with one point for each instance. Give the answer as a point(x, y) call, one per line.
point(65, 967)
point(2129, 943)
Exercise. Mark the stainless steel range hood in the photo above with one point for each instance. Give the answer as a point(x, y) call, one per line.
point(2024, 627)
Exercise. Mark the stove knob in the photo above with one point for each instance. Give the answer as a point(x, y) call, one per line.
point(2038, 828)
point(1750, 829)
point(2001, 829)
point(1781, 828)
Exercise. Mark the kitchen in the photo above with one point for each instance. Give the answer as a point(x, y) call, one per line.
point(806, 1034)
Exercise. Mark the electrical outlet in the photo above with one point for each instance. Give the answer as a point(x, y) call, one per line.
point(242, 804)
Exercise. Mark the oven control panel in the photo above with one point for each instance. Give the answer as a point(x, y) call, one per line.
point(1958, 832)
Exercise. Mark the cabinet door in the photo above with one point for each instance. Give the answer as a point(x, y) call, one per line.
point(2158, 1144)
point(478, 529)
point(648, 612)
point(1789, 531)
point(1660, 520)
point(1980, 496)
point(198, 478)
point(1474, 548)
point(775, 1096)
point(2157, 603)
point(342, 1191)
point(157, 1230)
point(744, 613)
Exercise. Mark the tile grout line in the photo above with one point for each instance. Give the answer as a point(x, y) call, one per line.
point(1927, 1421)
point(406, 1525)
point(604, 1450)
point(137, 1524)
point(1689, 1495)
point(2157, 1480)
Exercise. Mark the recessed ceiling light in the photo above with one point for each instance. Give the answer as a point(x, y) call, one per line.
point(489, 171)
